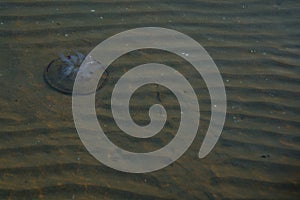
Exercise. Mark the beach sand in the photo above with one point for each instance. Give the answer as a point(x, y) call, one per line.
point(255, 45)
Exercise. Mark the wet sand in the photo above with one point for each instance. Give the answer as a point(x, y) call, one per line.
point(255, 45)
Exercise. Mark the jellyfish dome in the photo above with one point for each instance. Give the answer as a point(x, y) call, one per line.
point(61, 72)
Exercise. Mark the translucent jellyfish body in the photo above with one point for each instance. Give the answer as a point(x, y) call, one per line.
point(60, 74)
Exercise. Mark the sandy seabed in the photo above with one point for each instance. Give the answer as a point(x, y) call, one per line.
point(255, 45)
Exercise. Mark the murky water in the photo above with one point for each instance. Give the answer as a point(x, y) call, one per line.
point(254, 43)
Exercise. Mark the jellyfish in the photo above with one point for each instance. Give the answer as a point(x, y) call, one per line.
point(61, 72)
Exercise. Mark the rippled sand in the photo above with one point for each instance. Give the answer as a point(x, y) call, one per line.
point(254, 43)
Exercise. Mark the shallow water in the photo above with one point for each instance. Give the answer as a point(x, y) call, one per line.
point(255, 45)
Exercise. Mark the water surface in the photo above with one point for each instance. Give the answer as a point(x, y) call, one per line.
point(254, 43)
